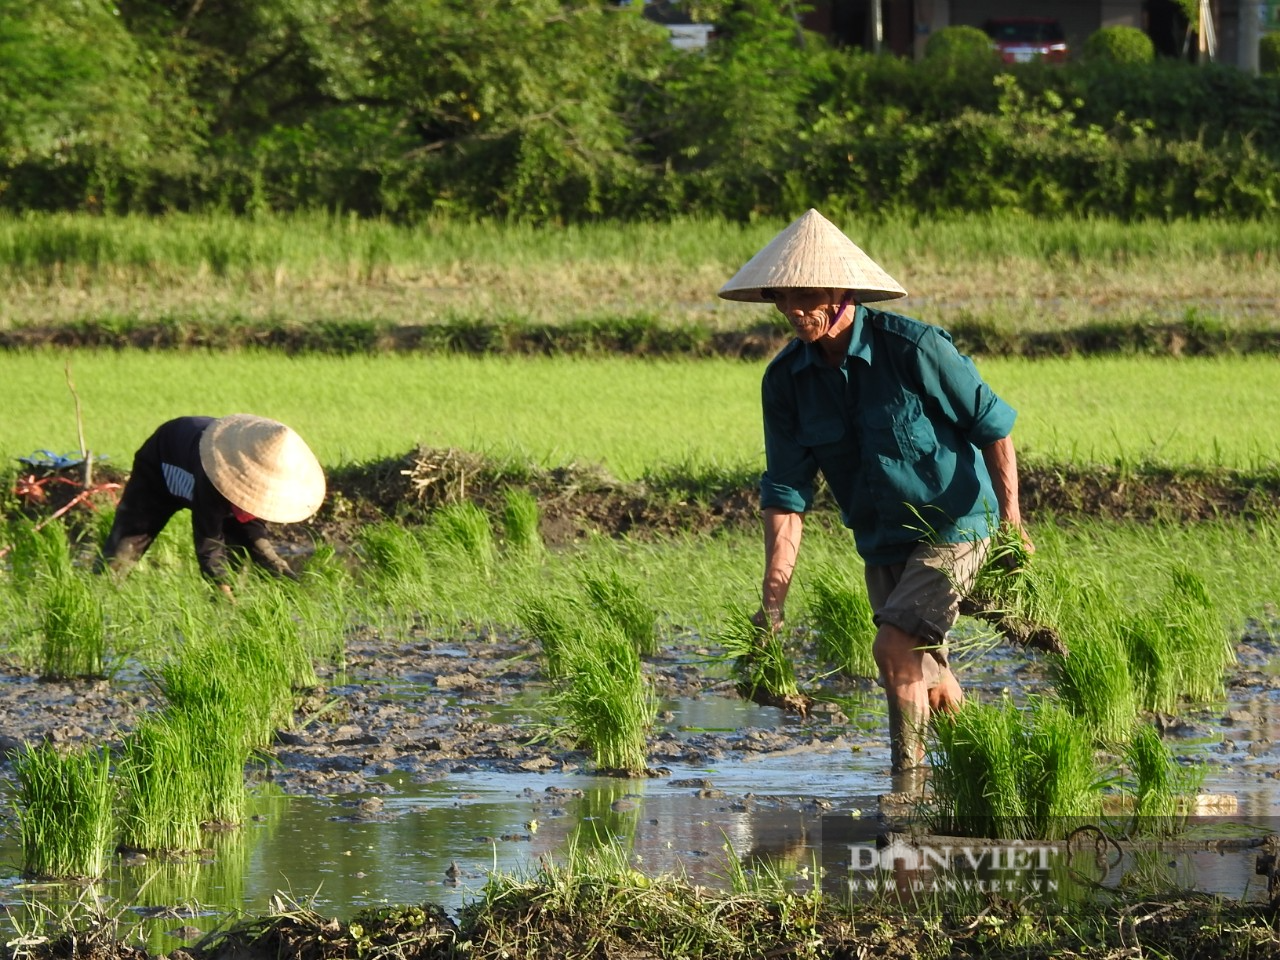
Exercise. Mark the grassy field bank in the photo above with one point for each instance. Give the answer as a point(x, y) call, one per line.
point(626, 415)
point(1013, 271)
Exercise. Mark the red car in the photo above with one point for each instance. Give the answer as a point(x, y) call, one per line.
point(1021, 39)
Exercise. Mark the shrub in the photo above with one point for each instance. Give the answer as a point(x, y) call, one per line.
point(959, 43)
point(1119, 45)
point(1269, 53)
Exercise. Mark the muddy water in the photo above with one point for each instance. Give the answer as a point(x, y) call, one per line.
point(429, 781)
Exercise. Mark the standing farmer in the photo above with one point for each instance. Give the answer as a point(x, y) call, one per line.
point(913, 444)
point(232, 473)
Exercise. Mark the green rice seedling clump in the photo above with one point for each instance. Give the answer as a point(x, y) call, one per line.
point(66, 812)
point(39, 553)
point(395, 562)
point(1179, 646)
point(605, 701)
point(1095, 681)
point(74, 630)
point(556, 624)
point(1001, 772)
point(520, 522)
point(1161, 789)
point(162, 800)
point(841, 619)
point(760, 662)
point(622, 602)
point(464, 530)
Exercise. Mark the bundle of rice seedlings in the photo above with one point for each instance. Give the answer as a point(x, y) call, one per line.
point(1179, 647)
point(764, 672)
point(396, 563)
point(556, 623)
point(38, 554)
point(1095, 681)
point(841, 618)
point(65, 806)
point(1002, 772)
point(161, 803)
point(605, 701)
point(520, 518)
point(74, 633)
point(1160, 788)
point(463, 530)
point(621, 602)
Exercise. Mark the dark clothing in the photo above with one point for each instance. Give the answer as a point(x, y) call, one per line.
point(167, 477)
point(896, 431)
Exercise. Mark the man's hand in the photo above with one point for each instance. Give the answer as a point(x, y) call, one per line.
point(225, 590)
point(768, 619)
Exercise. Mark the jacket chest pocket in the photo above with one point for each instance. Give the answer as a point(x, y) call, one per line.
point(899, 430)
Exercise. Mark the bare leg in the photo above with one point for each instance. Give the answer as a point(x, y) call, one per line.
point(901, 662)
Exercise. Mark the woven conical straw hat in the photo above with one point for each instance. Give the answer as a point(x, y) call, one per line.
point(262, 467)
point(812, 252)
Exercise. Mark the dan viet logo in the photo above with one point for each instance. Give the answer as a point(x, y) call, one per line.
point(1009, 867)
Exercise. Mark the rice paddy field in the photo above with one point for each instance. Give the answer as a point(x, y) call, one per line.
point(475, 713)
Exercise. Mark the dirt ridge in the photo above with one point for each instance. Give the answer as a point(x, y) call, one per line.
point(642, 335)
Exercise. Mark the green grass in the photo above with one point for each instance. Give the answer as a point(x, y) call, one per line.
point(701, 415)
point(1013, 270)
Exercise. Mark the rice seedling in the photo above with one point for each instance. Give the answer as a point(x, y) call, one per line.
point(840, 616)
point(74, 640)
point(39, 553)
point(556, 624)
point(759, 660)
point(1160, 788)
point(66, 813)
point(396, 564)
point(604, 701)
point(162, 802)
point(1095, 681)
point(1179, 646)
point(520, 517)
point(239, 673)
point(1000, 772)
point(622, 602)
point(219, 748)
point(271, 616)
point(463, 530)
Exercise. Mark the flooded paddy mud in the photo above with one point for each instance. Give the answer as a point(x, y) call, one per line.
point(425, 764)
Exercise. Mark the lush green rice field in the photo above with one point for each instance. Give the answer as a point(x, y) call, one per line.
point(628, 415)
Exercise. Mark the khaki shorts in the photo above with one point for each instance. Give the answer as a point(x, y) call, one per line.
point(922, 596)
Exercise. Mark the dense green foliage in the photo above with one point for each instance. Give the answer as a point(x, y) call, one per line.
point(578, 109)
point(1119, 45)
point(1269, 53)
point(960, 44)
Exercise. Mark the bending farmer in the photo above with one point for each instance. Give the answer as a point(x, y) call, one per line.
point(913, 445)
point(233, 473)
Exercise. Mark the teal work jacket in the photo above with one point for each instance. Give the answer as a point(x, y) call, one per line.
point(896, 431)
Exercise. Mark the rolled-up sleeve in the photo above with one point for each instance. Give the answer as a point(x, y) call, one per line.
point(790, 468)
point(962, 396)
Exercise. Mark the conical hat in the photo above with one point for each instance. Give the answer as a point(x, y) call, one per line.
point(812, 252)
point(262, 467)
